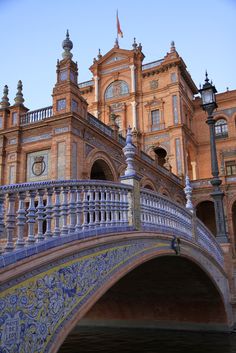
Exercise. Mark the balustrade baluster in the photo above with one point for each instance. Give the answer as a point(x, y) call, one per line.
point(78, 210)
point(40, 213)
point(112, 207)
point(85, 207)
point(2, 224)
point(72, 209)
point(102, 206)
point(97, 207)
point(91, 207)
point(125, 208)
point(49, 213)
point(108, 206)
point(21, 220)
point(31, 217)
point(56, 211)
point(10, 222)
point(64, 210)
point(117, 207)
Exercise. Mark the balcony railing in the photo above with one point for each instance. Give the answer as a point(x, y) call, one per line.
point(86, 84)
point(35, 116)
point(100, 125)
point(152, 64)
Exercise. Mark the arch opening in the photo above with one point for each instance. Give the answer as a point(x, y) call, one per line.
point(161, 155)
point(206, 213)
point(101, 171)
point(168, 292)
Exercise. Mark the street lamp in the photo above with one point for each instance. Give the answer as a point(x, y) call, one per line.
point(209, 105)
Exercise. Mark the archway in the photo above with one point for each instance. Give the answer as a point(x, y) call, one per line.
point(155, 294)
point(161, 154)
point(101, 171)
point(206, 213)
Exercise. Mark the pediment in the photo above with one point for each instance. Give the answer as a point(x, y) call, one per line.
point(114, 59)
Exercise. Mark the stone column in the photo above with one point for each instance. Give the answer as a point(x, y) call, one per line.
point(193, 164)
point(132, 70)
point(96, 90)
point(134, 114)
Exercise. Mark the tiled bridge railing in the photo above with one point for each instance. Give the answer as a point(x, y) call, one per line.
point(38, 216)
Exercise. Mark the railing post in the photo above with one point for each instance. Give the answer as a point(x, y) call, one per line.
point(72, 209)
point(64, 210)
point(134, 213)
point(49, 213)
point(56, 211)
point(31, 217)
point(21, 218)
point(10, 223)
point(40, 214)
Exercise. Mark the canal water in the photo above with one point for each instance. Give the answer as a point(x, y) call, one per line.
point(114, 340)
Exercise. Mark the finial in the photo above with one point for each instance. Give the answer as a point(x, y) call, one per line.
point(227, 89)
point(134, 45)
point(188, 192)
point(116, 45)
point(140, 47)
point(129, 152)
point(67, 45)
point(99, 54)
point(5, 100)
point(172, 46)
point(206, 79)
point(19, 100)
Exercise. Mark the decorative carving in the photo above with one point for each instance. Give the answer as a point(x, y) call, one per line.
point(153, 84)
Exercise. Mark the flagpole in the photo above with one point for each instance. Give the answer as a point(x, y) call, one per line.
point(117, 40)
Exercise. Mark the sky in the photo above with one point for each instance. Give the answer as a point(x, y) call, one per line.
point(32, 32)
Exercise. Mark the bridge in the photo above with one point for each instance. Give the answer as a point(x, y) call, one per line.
point(65, 243)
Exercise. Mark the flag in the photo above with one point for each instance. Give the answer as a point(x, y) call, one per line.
point(119, 31)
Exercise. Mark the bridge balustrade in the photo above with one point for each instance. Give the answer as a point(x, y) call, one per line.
point(38, 216)
point(32, 213)
point(163, 215)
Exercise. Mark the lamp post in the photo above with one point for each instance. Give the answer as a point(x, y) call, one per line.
point(209, 105)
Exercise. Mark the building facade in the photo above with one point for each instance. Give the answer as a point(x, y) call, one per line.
point(82, 134)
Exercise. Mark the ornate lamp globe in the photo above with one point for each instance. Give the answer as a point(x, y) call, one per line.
point(208, 96)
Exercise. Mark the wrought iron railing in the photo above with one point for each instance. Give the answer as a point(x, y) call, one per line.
point(35, 116)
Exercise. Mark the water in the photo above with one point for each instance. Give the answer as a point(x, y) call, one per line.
point(127, 340)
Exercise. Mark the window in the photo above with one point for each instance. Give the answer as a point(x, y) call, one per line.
point(61, 104)
point(155, 119)
point(230, 167)
point(14, 118)
point(173, 77)
point(74, 106)
point(1, 122)
point(175, 109)
point(116, 89)
point(221, 128)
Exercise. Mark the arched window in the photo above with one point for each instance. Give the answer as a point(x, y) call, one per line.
point(116, 89)
point(221, 128)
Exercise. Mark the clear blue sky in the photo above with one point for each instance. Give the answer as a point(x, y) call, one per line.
point(32, 32)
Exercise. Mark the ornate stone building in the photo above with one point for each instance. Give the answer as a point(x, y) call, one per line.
point(82, 134)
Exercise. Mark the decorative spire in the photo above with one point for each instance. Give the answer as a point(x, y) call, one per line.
point(140, 47)
point(5, 100)
point(172, 46)
point(129, 152)
point(99, 54)
point(188, 194)
point(116, 45)
point(67, 45)
point(134, 45)
point(19, 100)
point(206, 79)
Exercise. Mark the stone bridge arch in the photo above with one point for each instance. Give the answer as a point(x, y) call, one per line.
point(43, 304)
